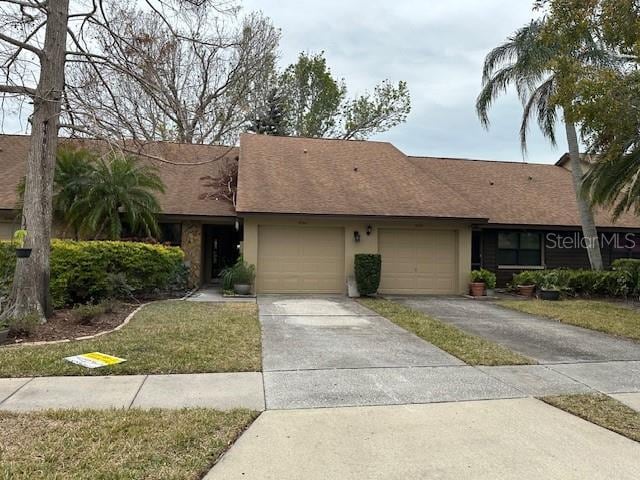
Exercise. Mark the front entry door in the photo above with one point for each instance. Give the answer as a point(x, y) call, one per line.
point(221, 249)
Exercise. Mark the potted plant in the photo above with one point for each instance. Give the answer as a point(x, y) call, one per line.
point(478, 284)
point(243, 276)
point(18, 239)
point(490, 282)
point(526, 284)
point(549, 289)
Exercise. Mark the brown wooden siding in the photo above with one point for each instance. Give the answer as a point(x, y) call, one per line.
point(574, 258)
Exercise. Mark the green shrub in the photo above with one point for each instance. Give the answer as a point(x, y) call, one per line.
point(616, 283)
point(527, 278)
point(7, 267)
point(484, 276)
point(367, 269)
point(84, 314)
point(631, 267)
point(240, 273)
point(243, 273)
point(83, 272)
point(24, 325)
point(227, 279)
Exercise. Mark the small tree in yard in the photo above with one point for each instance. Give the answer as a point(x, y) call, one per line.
point(38, 38)
point(119, 190)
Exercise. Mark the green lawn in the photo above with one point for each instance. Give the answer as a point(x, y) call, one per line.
point(595, 315)
point(601, 410)
point(469, 348)
point(116, 444)
point(164, 337)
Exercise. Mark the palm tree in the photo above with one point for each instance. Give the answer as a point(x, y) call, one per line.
point(74, 169)
point(524, 62)
point(120, 189)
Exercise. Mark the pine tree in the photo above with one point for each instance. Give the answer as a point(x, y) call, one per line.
point(270, 120)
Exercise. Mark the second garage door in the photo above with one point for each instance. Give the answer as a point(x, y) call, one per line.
point(293, 259)
point(418, 261)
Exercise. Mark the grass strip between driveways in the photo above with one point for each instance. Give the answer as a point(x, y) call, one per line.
point(471, 349)
point(163, 337)
point(595, 315)
point(116, 444)
point(602, 410)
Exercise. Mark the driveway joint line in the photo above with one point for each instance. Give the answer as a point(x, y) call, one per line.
point(499, 380)
point(18, 389)
point(144, 380)
point(333, 369)
point(575, 379)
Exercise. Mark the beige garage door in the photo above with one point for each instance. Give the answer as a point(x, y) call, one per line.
point(418, 261)
point(300, 260)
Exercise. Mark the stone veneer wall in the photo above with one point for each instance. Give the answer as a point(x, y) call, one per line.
point(192, 246)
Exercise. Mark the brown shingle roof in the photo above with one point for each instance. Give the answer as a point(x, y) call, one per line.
point(516, 193)
point(340, 177)
point(183, 184)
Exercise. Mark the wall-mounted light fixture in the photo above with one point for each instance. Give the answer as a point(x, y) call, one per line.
point(237, 225)
point(369, 229)
point(356, 236)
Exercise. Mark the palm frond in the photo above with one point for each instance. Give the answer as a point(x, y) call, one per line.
point(546, 113)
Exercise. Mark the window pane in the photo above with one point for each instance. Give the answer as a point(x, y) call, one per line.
point(171, 233)
point(508, 240)
point(530, 241)
point(507, 257)
point(530, 257)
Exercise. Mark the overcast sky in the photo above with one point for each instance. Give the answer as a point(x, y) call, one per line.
point(436, 46)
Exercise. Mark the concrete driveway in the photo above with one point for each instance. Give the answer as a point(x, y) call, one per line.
point(331, 351)
point(544, 340)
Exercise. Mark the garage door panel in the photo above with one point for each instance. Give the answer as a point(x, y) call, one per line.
point(300, 259)
point(418, 261)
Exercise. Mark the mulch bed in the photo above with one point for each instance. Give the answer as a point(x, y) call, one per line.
point(61, 325)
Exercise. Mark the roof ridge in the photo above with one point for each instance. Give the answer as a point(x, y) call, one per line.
point(299, 137)
point(510, 162)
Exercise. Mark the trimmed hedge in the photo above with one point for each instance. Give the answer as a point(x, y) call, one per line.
point(614, 283)
point(84, 272)
point(367, 269)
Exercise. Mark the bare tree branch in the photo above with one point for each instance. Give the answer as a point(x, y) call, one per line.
point(17, 90)
point(20, 44)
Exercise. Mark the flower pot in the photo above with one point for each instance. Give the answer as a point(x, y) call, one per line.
point(23, 252)
point(4, 335)
point(551, 295)
point(526, 290)
point(242, 289)
point(477, 289)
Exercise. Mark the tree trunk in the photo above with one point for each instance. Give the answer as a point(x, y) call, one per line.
point(586, 214)
point(30, 293)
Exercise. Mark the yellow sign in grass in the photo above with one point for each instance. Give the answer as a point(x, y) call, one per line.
point(94, 360)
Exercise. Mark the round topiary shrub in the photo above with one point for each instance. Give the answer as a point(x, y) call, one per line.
point(367, 269)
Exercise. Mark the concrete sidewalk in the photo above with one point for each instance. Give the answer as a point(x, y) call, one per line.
point(316, 388)
point(222, 391)
point(500, 439)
